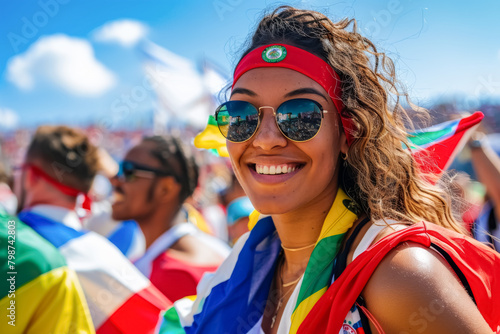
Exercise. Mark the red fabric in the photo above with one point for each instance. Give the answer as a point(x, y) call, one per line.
point(176, 279)
point(139, 314)
point(479, 264)
point(61, 187)
point(437, 157)
point(308, 64)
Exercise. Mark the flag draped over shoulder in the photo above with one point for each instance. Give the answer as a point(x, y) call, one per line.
point(436, 146)
point(233, 299)
point(120, 298)
point(477, 266)
point(43, 294)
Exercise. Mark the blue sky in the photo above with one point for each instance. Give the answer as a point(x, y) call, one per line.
point(63, 61)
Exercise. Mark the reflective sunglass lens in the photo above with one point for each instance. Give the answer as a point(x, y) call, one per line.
point(237, 120)
point(299, 119)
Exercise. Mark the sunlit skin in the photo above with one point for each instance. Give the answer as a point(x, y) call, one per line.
point(308, 193)
point(299, 201)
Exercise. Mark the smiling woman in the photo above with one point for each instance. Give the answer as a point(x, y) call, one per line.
point(323, 159)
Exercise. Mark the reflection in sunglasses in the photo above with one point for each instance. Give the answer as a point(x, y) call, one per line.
point(298, 119)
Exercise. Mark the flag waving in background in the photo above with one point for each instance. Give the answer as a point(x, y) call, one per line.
point(436, 146)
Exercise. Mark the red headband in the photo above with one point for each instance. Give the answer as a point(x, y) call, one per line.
point(288, 56)
point(61, 187)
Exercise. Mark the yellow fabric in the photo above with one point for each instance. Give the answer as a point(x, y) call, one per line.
point(211, 138)
point(339, 220)
point(196, 218)
point(253, 219)
point(52, 303)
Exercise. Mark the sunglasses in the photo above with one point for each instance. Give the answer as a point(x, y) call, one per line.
point(298, 119)
point(129, 171)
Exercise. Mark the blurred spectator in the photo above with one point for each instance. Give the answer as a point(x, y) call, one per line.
point(46, 293)
point(486, 164)
point(126, 235)
point(238, 211)
point(8, 200)
point(238, 208)
point(60, 165)
point(155, 179)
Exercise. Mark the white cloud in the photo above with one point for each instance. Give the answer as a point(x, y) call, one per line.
point(64, 61)
point(124, 32)
point(8, 118)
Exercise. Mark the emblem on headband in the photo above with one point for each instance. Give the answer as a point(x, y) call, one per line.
point(274, 53)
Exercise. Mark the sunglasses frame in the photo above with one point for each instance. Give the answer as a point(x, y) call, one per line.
point(322, 113)
point(140, 171)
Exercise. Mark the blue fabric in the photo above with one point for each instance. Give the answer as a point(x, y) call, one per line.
point(123, 236)
point(241, 295)
point(238, 208)
point(56, 233)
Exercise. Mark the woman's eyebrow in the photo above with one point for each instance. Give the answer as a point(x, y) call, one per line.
point(243, 91)
point(302, 91)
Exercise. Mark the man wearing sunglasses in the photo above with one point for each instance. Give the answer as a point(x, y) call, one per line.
point(154, 180)
point(59, 166)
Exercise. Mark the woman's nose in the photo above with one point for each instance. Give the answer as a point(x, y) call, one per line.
point(268, 135)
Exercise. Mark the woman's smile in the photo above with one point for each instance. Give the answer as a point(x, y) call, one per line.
point(278, 174)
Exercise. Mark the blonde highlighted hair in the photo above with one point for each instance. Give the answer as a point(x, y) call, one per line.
point(380, 172)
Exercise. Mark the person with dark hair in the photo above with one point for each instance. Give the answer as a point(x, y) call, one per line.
point(353, 236)
point(59, 166)
point(155, 179)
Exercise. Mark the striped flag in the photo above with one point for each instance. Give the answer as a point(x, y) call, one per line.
point(120, 298)
point(38, 292)
point(233, 299)
point(436, 146)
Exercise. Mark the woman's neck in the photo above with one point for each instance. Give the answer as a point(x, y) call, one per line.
point(298, 232)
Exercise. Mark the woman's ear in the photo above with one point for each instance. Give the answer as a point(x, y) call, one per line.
point(343, 142)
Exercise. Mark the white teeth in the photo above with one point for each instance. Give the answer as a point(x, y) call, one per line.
point(273, 169)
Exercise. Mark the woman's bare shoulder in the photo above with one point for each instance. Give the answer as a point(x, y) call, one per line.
point(414, 290)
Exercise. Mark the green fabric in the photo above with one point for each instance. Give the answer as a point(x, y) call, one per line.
point(424, 138)
point(33, 255)
point(171, 323)
point(319, 269)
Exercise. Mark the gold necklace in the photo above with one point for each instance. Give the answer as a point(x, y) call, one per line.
point(297, 249)
point(280, 301)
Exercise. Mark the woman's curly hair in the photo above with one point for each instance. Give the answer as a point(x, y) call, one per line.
point(380, 172)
